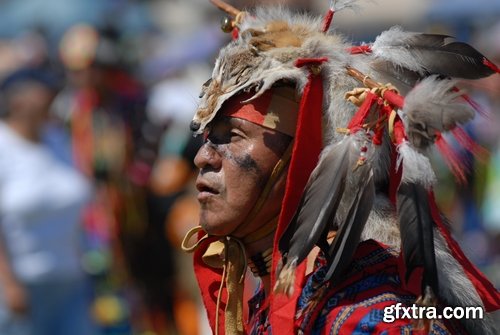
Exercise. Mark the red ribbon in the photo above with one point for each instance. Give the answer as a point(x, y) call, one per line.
point(484, 288)
point(209, 280)
point(307, 147)
point(474, 104)
point(360, 49)
point(468, 143)
point(327, 21)
point(451, 158)
point(359, 118)
point(491, 65)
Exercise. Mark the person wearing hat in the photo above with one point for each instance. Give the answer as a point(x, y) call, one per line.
point(313, 175)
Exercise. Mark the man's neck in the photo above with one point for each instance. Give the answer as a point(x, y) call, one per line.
point(27, 130)
point(261, 246)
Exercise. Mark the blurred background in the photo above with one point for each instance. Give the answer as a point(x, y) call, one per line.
point(96, 172)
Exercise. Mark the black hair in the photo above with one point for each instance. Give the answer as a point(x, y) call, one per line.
point(40, 76)
point(23, 76)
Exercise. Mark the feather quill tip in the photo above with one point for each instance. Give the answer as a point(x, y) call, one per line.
point(428, 299)
point(286, 279)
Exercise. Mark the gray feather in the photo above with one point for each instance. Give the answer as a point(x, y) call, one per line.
point(416, 226)
point(359, 197)
point(331, 200)
point(433, 106)
point(431, 54)
point(323, 192)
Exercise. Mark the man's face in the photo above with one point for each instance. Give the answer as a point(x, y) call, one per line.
point(30, 101)
point(235, 164)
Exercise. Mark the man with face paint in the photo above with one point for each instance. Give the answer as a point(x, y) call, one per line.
point(237, 160)
point(241, 182)
point(288, 164)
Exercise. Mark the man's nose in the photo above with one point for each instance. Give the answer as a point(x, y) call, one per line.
point(207, 156)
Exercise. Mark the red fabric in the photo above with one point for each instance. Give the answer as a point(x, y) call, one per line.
point(306, 150)
point(468, 143)
point(235, 33)
point(451, 158)
point(327, 21)
point(490, 64)
point(350, 312)
point(82, 132)
point(209, 280)
point(120, 81)
point(399, 131)
point(489, 295)
point(395, 173)
point(359, 118)
point(383, 112)
point(394, 99)
point(477, 107)
point(255, 111)
point(301, 62)
point(379, 128)
point(360, 49)
point(282, 108)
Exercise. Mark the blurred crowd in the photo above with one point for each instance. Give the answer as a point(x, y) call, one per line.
point(96, 171)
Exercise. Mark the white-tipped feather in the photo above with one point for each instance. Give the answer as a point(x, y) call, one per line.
point(416, 167)
point(388, 47)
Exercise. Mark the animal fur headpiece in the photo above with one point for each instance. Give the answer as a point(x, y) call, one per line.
point(367, 116)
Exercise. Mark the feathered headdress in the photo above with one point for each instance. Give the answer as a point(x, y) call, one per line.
point(367, 117)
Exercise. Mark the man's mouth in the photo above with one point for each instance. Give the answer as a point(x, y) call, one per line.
point(205, 190)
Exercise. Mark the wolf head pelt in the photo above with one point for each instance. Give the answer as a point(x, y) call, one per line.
point(269, 43)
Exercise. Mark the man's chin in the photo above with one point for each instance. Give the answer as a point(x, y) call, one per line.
point(215, 227)
point(214, 230)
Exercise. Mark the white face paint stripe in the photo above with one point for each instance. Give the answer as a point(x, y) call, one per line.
point(282, 112)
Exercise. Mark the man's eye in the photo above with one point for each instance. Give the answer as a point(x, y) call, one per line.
point(236, 135)
point(217, 138)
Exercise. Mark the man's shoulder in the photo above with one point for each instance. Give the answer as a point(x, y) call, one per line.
point(372, 278)
point(357, 304)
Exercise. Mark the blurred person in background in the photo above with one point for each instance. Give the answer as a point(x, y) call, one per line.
point(43, 290)
point(115, 144)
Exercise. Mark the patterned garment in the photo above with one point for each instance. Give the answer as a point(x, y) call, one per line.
point(355, 306)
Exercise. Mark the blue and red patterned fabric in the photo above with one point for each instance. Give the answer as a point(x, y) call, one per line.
point(356, 305)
